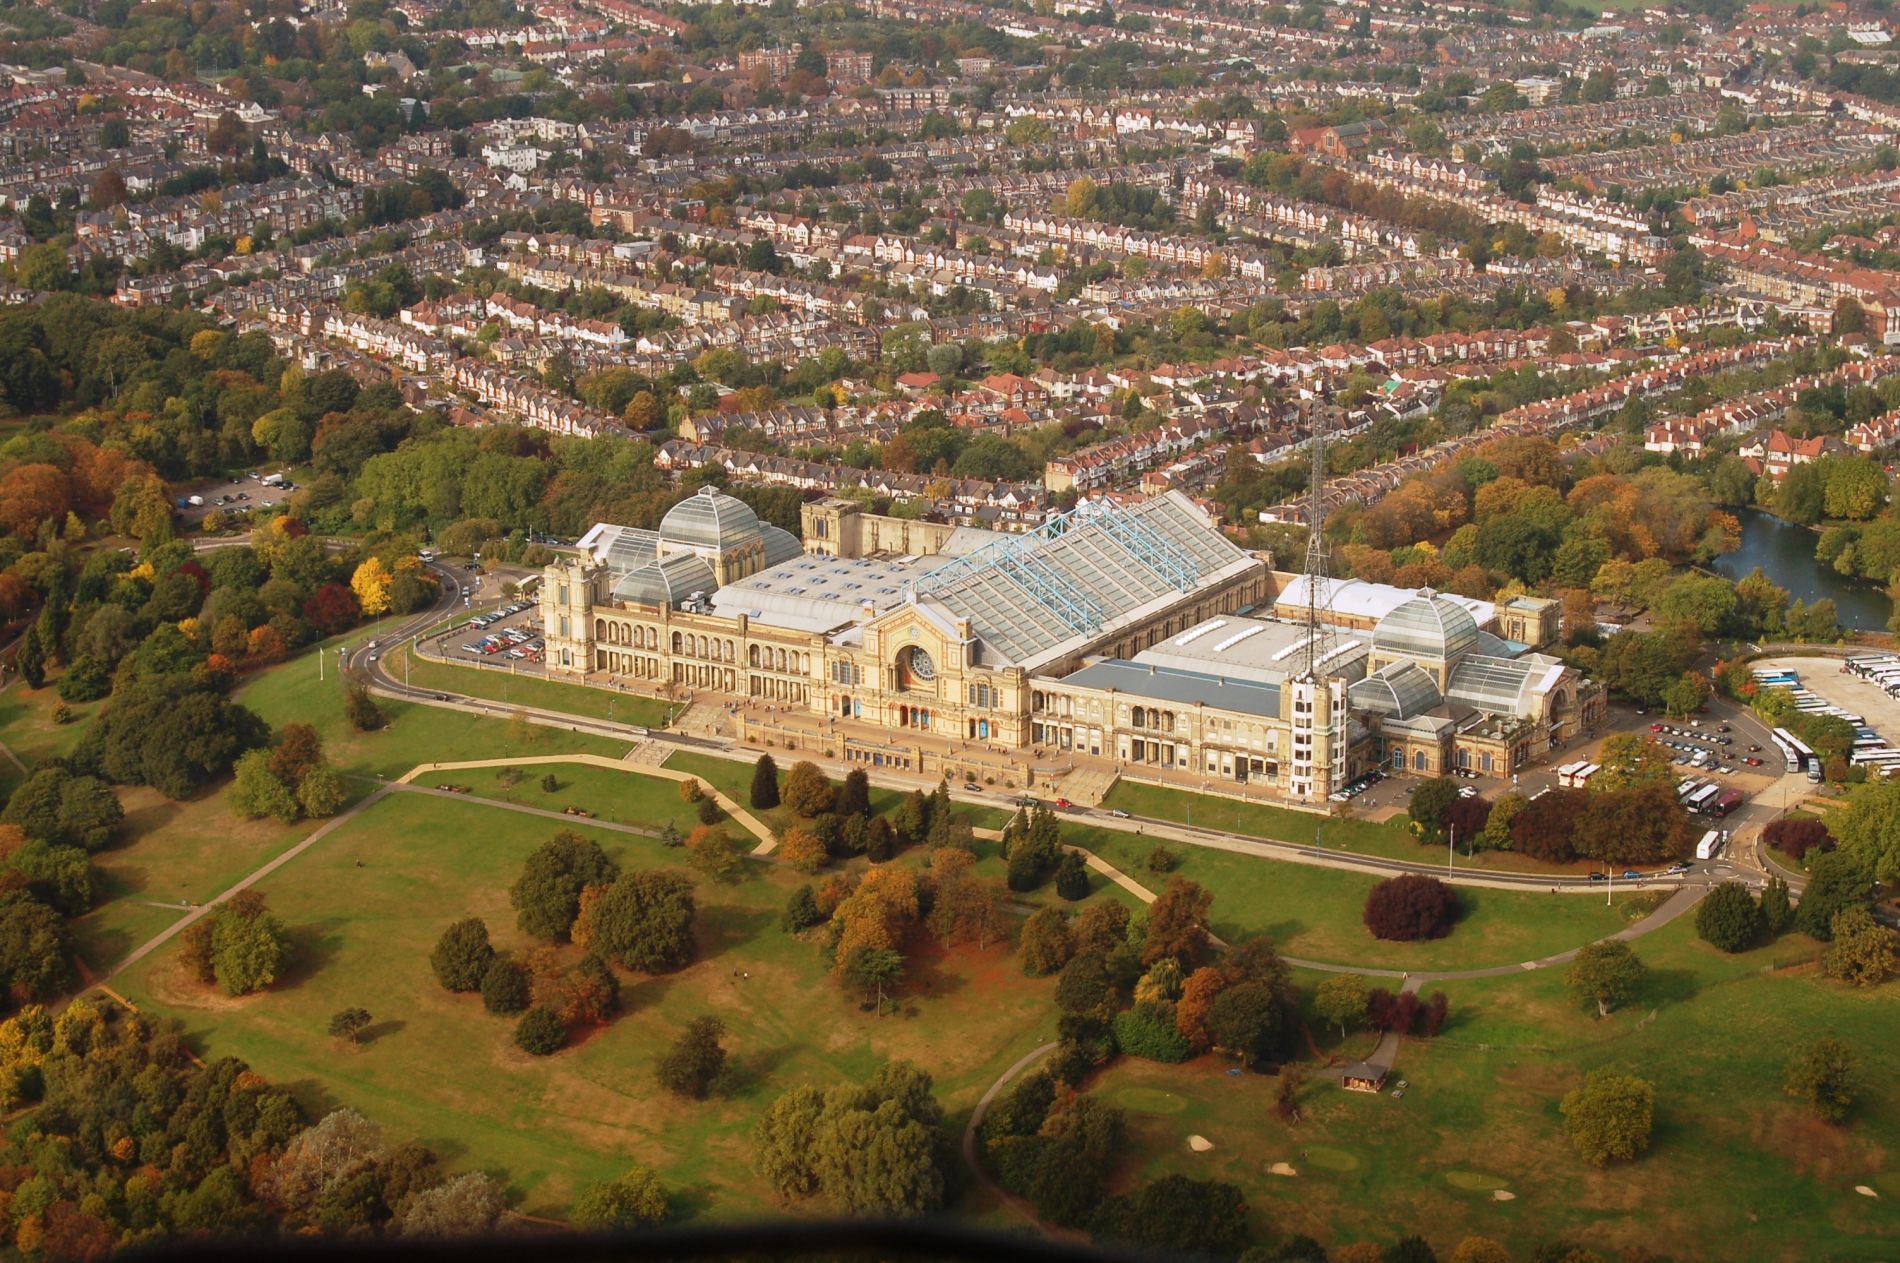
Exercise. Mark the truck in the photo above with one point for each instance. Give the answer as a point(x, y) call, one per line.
point(272, 480)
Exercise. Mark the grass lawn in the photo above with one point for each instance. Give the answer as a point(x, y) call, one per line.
point(27, 729)
point(1316, 913)
point(436, 1067)
point(733, 778)
point(529, 688)
point(1712, 1031)
point(622, 797)
point(1258, 820)
point(415, 734)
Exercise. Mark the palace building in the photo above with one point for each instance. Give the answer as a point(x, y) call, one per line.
point(1134, 634)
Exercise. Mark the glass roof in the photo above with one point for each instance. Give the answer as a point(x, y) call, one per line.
point(1427, 626)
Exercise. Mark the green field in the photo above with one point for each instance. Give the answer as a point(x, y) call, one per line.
point(733, 778)
point(1315, 913)
point(27, 729)
point(1390, 839)
point(528, 688)
point(366, 905)
point(416, 733)
point(1735, 1167)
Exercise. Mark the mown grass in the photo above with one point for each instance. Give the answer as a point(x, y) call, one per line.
point(1736, 1170)
point(528, 688)
point(1389, 839)
point(1317, 913)
point(367, 904)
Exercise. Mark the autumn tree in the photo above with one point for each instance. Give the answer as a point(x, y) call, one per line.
point(1177, 923)
point(803, 849)
point(807, 791)
point(547, 895)
point(1046, 943)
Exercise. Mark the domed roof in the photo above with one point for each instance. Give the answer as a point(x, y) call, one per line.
point(710, 519)
point(1427, 626)
point(667, 581)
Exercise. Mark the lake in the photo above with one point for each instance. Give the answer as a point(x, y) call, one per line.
point(1785, 554)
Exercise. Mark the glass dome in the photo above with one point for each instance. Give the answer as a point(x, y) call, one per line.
point(710, 519)
point(1427, 626)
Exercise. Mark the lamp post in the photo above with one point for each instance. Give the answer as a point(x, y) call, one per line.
point(1451, 849)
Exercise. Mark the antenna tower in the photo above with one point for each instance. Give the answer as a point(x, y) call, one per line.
point(1318, 589)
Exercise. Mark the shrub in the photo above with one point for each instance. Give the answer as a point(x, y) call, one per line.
point(540, 1031)
point(801, 911)
point(1072, 876)
point(764, 794)
point(504, 987)
point(1148, 1031)
point(690, 791)
point(1162, 860)
point(709, 811)
point(364, 714)
point(1797, 837)
point(1729, 919)
point(1404, 909)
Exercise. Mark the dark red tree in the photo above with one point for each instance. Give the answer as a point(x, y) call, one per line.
point(332, 608)
point(1411, 907)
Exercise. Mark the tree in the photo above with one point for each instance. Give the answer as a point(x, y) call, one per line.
point(1836, 882)
point(713, 855)
point(635, 1200)
point(803, 849)
point(873, 970)
point(1197, 997)
point(695, 1059)
point(505, 989)
point(1862, 949)
point(1072, 876)
point(1046, 943)
point(1404, 909)
point(462, 955)
point(801, 911)
point(642, 920)
point(806, 790)
point(348, 1023)
point(248, 945)
point(1869, 830)
point(540, 1031)
point(470, 1205)
point(764, 784)
point(1609, 1116)
point(256, 790)
point(1340, 1000)
point(1429, 802)
point(1823, 1076)
point(547, 895)
point(1479, 1250)
point(1177, 923)
point(363, 712)
point(1777, 909)
point(871, 1149)
point(370, 581)
point(854, 796)
point(1606, 974)
point(30, 658)
point(55, 806)
point(1630, 759)
point(1729, 919)
point(1247, 1019)
point(1181, 1217)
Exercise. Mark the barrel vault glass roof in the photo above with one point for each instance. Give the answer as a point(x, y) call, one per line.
point(1499, 685)
point(1398, 691)
point(1082, 575)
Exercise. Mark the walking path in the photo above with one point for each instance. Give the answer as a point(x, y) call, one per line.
point(177, 927)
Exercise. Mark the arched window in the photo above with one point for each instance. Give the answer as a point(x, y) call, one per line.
point(752, 655)
point(599, 629)
point(1418, 760)
point(676, 642)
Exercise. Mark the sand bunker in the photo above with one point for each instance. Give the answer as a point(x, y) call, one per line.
point(1282, 1168)
point(1864, 1191)
point(1503, 1195)
point(1200, 1144)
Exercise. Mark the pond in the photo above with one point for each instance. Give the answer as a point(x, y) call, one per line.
point(1785, 553)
